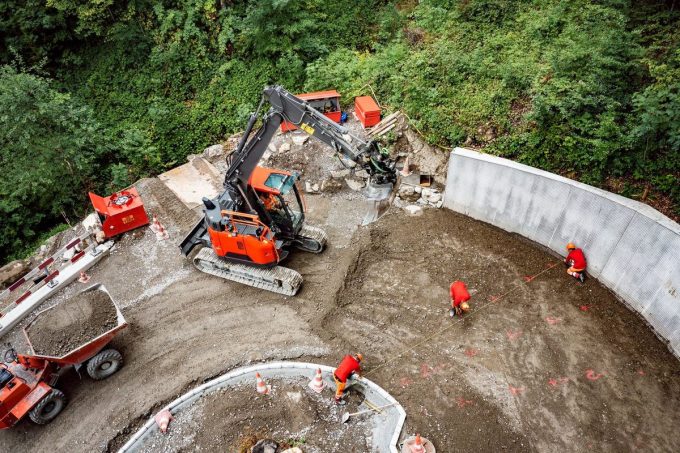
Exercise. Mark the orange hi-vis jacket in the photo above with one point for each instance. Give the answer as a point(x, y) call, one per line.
point(348, 366)
point(459, 293)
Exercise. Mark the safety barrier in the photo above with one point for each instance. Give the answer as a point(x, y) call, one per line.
point(385, 434)
point(631, 248)
point(49, 277)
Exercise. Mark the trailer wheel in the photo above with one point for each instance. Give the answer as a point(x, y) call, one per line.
point(48, 408)
point(104, 364)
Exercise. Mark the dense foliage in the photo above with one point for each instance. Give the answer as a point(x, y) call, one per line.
point(96, 93)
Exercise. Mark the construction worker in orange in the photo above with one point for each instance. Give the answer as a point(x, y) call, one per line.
point(576, 261)
point(269, 201)
point(459, 298)
point(349, 368)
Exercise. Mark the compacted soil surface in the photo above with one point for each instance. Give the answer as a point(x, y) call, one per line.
point(541, 363)
point(72, 323)
point(235, 418)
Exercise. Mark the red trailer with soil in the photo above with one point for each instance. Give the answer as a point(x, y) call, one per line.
point(74, 333)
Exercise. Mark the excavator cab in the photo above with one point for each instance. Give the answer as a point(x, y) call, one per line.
point(280, 197)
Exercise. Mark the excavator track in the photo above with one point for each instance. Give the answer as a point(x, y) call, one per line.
point(311, 239)
point(276, 279)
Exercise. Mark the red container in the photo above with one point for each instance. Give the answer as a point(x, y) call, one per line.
point(367, 111)
point(326, 102)
point(121, 212)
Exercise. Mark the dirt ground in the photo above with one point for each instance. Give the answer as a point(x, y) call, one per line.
point(72, 323)
point(541, 364)
point(236, 417)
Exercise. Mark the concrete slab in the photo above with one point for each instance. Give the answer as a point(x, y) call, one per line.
point(193, 181)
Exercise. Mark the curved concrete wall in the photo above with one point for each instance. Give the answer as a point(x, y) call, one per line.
point(631, 248)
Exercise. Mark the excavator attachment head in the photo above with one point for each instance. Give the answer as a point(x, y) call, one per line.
point(379, 198)
point(379, 192)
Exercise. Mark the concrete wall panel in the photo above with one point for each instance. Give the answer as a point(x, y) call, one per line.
point(631, 248)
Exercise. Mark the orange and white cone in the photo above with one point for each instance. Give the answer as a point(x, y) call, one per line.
point(405, 171)
point(84, 278)
point(157, 227)
point(317, 384)
point(163, 419)
point(417, 446)
point(262, 388)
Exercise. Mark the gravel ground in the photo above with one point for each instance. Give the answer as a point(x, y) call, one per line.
point(541, 364)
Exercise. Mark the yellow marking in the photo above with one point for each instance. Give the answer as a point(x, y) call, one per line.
point(307, 128)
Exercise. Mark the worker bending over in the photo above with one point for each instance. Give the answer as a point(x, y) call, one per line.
point(576, 261)
point(348, 368)
point(459, 298)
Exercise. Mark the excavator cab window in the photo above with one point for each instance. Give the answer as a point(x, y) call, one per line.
point(281, 182)
point(5, 377)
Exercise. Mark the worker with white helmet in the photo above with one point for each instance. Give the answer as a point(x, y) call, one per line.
point(576, 261)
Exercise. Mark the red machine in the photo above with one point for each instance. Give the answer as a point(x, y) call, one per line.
point(27, 381)
point(249, 229)
point(367, 110)
point(326, 102)
point(123, 211)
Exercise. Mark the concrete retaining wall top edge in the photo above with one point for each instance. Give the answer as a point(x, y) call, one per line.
point(641, 208)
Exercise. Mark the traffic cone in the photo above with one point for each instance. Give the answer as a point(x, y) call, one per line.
point(157, 227)
point(417, 446)
point(405, 171)
point(84, 278)
point(317, 384)
point(163, 419)
point(262, 388)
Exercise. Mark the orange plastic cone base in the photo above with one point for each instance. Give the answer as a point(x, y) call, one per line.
point(84, 278)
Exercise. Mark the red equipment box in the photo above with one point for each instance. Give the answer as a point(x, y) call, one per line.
point(123, 211)
point(367, 111)
point(326, 102)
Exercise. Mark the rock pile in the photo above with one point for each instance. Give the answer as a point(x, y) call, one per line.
point(410, 197)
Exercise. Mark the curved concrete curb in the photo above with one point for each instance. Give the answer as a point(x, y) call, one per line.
point(386, 430)
point(631, 248)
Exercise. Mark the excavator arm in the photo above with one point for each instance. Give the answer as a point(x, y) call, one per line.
point(287, 107)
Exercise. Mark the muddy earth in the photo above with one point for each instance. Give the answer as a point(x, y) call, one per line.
point(235, 418)
point(72, 323)
point(542, 363)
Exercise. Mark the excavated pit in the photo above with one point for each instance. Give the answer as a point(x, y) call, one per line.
point(235, 418)
point(72, 323)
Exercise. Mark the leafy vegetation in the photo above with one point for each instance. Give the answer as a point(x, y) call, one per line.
point(97, 93)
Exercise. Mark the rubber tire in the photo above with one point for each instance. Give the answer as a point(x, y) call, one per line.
point(104, 364)
point(55, 401)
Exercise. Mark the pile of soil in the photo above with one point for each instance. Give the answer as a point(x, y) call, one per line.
point(72, 323)
point(233, 419)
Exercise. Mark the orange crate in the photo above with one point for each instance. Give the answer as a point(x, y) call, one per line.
point(367, 111)
point(326, 102)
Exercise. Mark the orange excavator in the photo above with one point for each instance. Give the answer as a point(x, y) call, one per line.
point(250, 228)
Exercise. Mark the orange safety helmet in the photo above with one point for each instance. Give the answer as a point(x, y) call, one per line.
point(571, 246)
point(359, 356)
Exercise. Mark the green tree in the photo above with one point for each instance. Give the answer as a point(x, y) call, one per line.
point(49, 145)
